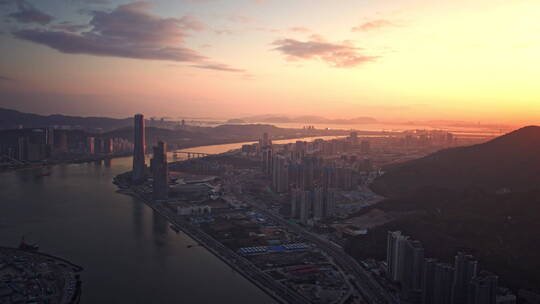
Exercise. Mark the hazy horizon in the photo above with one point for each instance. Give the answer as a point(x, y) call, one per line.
point(319, 121)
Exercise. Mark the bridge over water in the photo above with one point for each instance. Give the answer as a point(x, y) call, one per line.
point(191, 154)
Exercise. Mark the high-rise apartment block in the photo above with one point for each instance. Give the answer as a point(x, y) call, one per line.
point(280, 174)
point(160, 172)
point(465, 268)
point(483, 289)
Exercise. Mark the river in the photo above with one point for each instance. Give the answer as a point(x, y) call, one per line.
point(129, 253)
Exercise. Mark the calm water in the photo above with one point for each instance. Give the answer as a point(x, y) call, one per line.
point(130, 254)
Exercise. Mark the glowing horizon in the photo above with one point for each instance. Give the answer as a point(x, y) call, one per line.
point(413, 60)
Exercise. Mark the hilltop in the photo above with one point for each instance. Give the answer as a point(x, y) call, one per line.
point(510, 162)
point(484, 199)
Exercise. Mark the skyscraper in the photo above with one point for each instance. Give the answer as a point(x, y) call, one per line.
point(109, 145)
point(329, 203)
point(309, 164)
point(138, 149)
point(50, 141)
point(295, 202)
point(394, 254)
point(465, 267)
point(365, 147)
point(99, 145)
point(306, 206)
point(428, 281)
point(318, 204)
point(353, 138)
point(160, 172)
point(267, 160)
point(90, 145)
point(483, 289)
point(280, 174)
point(265, 141)
point(442, 289)
point(413, 270)
point(63, 145)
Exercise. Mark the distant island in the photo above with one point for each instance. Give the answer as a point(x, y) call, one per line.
point(236, 121)
point(307, 119)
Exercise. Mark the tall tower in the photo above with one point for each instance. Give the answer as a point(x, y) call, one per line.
point(160, 172)
point(395, 254)
point(413, 270)
point(138, 149)
point(465, 267)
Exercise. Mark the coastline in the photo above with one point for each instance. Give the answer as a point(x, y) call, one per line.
point(76, 267)
point(233, 260)
point(186, 146)
point(75, 296)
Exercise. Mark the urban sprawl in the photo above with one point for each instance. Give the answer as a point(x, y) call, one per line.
point(281, 214)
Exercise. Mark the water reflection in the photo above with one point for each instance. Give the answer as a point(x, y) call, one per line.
point(138, 221)
point(160, 226)
point(127, 250)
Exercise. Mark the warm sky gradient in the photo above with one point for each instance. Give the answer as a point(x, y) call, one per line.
point(390, 59)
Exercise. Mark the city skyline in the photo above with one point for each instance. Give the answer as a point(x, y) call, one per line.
point(306, 151)
point(412, 60)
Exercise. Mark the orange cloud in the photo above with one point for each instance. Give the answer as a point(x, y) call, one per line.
point(372, 25)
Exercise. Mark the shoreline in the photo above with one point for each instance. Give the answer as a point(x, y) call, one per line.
point(187, 146)
point(196, 235)
point(75, 269)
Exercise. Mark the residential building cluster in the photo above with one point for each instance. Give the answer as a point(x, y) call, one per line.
point(428, 281)
point(310, 173)
point(428, 138)
point(40, 144)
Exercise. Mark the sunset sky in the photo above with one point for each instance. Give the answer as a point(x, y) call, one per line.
point(389, 59)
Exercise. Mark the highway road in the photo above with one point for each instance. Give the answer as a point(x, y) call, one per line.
point(237, 262)
point(370, 289)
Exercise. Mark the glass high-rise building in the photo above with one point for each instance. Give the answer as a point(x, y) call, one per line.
point(138, 149)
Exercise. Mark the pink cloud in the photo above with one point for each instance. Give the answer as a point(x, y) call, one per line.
point(343, 55)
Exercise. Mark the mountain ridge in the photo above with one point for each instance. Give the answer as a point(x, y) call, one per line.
point(11, 118)
point(510, 162)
